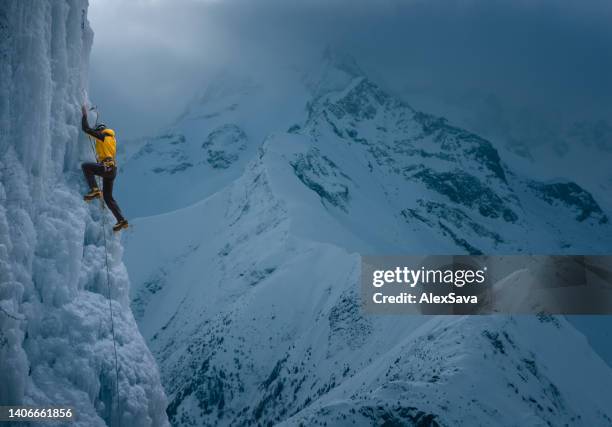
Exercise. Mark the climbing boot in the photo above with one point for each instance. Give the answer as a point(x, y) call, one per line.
point(120, 225)
point(95, 193)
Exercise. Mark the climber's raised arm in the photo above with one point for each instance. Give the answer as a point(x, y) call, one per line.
point(99, 134)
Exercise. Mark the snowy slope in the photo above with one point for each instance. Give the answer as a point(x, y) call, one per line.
point(579, 146)
point(249, 297)
point(208, 145)
point(56, 344)
point(505, 371)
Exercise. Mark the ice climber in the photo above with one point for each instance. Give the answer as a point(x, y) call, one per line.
point(105, 166)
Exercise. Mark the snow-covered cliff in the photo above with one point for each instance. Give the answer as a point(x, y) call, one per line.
point(56, 345)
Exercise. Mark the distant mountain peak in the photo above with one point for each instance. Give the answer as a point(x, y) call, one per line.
point(336, 70)
point(342, 61)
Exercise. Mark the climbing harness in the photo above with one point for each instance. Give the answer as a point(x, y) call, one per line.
point(109, 163)
point(110, 305)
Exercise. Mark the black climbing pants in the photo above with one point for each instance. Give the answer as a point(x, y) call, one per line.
point(108, 175)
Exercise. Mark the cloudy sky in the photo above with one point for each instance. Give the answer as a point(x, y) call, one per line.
point(499, 66)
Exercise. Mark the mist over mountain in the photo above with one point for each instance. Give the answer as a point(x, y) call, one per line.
point(532, 76)
point(546, 58)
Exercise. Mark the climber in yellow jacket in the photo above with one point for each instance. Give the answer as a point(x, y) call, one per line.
point(105, 166)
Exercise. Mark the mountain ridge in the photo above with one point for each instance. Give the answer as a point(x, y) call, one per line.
point(252, 307)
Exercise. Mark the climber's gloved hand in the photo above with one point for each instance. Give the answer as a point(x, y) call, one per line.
point(84, 109)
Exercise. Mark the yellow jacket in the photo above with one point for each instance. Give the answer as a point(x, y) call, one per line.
point(107, 147)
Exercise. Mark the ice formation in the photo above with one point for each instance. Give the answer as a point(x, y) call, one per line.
point(56, 344)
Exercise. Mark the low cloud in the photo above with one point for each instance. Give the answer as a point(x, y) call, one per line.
point(548, 57)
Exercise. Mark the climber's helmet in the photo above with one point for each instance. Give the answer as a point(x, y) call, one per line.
point(100, 127)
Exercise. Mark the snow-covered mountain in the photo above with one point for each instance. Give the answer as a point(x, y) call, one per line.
point(255, 207)
point(536, 143)
point(56, 336)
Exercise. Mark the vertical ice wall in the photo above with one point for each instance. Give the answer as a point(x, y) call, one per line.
point(56, 345)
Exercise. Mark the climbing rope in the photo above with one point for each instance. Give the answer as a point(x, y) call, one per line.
point(10, 315)
point(110, 305)
point(108, 284)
